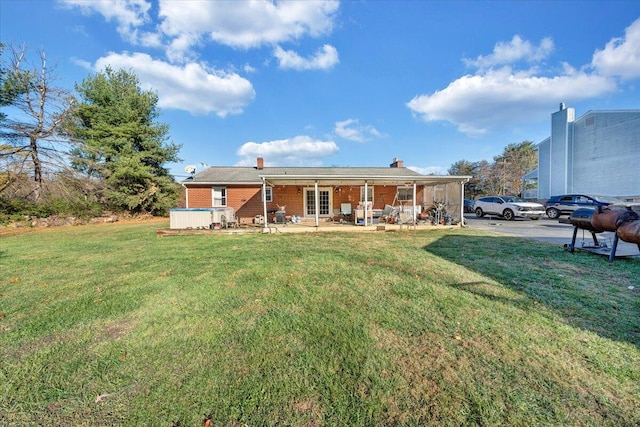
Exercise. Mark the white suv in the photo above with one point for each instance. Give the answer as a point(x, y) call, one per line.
point(508, 207)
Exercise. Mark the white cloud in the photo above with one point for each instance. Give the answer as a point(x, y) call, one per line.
point(247, 24)
point(621, 56)
point(429, 170)
point(129, 15)
point(180, 49)
point(479, 103)
point(352, 130)
point(499, 95)
point(505, 53)
point(297, 151)
point(239, 24)
point(191, 87)
point(324, 59)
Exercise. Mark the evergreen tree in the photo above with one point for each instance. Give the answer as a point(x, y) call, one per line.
point(122, 143)
point(465, 167)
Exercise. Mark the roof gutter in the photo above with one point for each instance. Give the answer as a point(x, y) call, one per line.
point(288, 177)
point(355, 177)
point(221, 183)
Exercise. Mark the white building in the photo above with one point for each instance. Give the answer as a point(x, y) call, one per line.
point(598, 153)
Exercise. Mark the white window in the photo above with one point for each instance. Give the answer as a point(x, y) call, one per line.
point(219, 196)
point(405, 194)
point(268, 194)
point(369, 193)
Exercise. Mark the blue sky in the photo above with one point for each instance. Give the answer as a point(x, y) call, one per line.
point(351, 83)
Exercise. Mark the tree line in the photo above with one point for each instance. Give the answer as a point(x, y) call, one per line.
point(100, 148)
point(503, 176)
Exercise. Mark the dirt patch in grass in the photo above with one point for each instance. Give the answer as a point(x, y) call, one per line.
point(30, 347)
point(309, 410)
point(420, 373)
point(118, 329)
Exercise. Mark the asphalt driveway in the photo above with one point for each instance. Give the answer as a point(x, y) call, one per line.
point(549, 231)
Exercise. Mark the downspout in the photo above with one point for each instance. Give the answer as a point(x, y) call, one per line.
point(186, 195)
point(264, 202)
point(315, 185)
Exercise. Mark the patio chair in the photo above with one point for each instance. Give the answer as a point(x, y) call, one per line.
point(345, 211)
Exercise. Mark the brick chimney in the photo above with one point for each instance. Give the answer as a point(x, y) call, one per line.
point(260, 163)
point(396, 163)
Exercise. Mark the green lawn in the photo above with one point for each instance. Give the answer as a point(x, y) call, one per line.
point(111, 325)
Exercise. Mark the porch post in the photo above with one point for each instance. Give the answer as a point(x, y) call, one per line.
point(413, 207)
point(462, 203)
point(264, 201)
point(317, 204)
point(366, 202)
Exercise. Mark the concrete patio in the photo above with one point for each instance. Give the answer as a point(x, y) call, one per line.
point(307, 227)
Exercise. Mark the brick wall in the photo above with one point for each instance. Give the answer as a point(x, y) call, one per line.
point(247, 200)
point(199, 197)
point(382, 196)
point(288, 196)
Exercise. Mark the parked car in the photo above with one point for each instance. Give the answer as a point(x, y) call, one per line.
point(508, 207)
point(468, 205)
point(567, 203)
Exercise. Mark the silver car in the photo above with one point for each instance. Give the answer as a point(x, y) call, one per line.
point(508, 207)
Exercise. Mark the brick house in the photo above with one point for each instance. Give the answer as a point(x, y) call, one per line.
point(319, 193)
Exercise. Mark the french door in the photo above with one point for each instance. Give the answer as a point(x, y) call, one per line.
point(324, 196)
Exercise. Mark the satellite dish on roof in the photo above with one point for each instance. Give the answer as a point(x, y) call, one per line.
point(190, 169)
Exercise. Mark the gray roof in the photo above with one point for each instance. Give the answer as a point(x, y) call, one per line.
point(226, 175)
point(253, 175)
point(232, 175)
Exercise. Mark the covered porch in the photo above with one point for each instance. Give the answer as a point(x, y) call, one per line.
point(364, 200)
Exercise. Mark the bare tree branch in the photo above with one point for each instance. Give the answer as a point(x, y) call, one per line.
point(39, 109)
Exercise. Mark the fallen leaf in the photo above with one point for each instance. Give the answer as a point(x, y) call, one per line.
point(102, 396)
point(14, 280)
